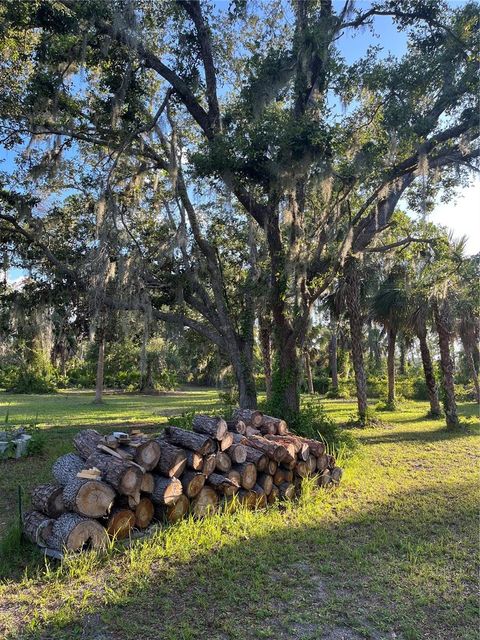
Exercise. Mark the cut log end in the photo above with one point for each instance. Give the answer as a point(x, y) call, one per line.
point(76, 533)
point(120, 523)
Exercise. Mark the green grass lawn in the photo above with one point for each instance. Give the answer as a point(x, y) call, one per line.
point(392, 553)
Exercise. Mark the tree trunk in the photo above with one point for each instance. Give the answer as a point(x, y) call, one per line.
point(243, 368)
point(264, 331)
point(402, 369)
point(356, 334)
point(392, 337)
point(443, 326)
point(332, 356)
point(429, 374)
point(470, 359)
point(100, 366)
point(308, 371)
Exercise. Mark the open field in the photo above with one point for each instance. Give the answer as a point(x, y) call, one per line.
point(390, 554)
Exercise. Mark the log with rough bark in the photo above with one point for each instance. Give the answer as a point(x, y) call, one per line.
point(173, 512)
point(265, 481)
point(198, 442)
point(144, 512)
point(312, 464)
point(74, 532)
point(260, 497)
point(316, 448)
point(90, 498)
point(256, 457)
point(271, 449)
point(66, 467)
point(237, 426)
point(144, 452)
point(38, 527)
point(248, 416)
point(206, 502)
point(234, 475)
point(322, 462)
point(194, 460)
point(226, 442)
point(248, 474)
point(247, 498)
point(274, 494)
point(294, 445)
point(192, 483)
point(215, 428)
point(222, 462)
point(252, 431)
point(209, 464)
point(325, 478)
point(125, 477)
point(238, 438)
point(48, 498)
point(148, 483)
point(86, 442)
point(120, 523)
point(237, 453)
point(166, 490)
point(287, 491)
point(274, 425)
point(223, 484)
point(302, 469)
point(172, 461)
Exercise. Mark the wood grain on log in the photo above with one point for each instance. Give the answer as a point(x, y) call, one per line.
point(222, 462)
point(173, 512)
point(144, 512)
point(120, 523)
point(248, 474)
point(215, 428)
point(206, 502)
point(237, 453)
point(147, 483)
point(275, 425)
point(86, 442)
point(66, 467)
point(248, 416)
point(194, 460)
point(265, 481)
point(146, 453)
point(192, 483)
point(38, 527)
point(77, 533)
point(198, 442)
point(125, 477)
point(90, 498)
point(209, 464)
point(166, 490)
point(273, 450)
point(302, 469)
point(271, 467)
point(172, 461)
point(223, 484)
point(48, 498)
point(238, 426)
point(322, 462)
point(226, 442)
point(312, 464)
point(260, 497)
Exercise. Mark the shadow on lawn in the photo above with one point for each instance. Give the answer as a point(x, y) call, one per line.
point(419, 436)
point(299, 582)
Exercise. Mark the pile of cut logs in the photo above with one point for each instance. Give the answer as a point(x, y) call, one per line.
point(118, 484)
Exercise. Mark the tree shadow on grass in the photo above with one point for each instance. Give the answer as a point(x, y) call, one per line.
point(390, 569)
point(418, 436)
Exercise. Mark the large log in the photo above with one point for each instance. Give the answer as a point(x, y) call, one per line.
point(256, 457)
point(90, 498)
point(192, 483)
point(226, 442)
point(86, 442)
point(74, 532)
point(206, 502)
point(248, 416)
point(172, 461)
point(173, 512)
point(144, 512)
point(274, 425)
point(248, 474)
point(66, 467)
point(198, 442)
point(209, 464)
point(222, 462)
point(214, 427)
point(120, 523)
point(38, 527)
point(273, 450)
point(265, 481)
point(145, 452)
point(223, 484)
point(316, 448)
point(166, 490)
point(48, 498)
point(238, 426)
point(125, 477)
point(237, 453)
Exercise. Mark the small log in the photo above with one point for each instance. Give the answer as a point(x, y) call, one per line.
point(316, 448)
point(173, 512)
point(66, 467)
point(222, 462)
point(295, 445)
point(146, 453)
point(206, 502)
point(302, 469)
point(237, 453)
point(272, 467)
point(125, 477)
point(238, 438)
point(277, 425)
point(120, 523)
point(38, 527)
point(260, 497)
point(223, 484)
point(312, 464)
point(209, 464)
point(336, 475)
point(256, 457)
point(86, 442)
point(226, 442)
point(238, 426)
point(322, 462)
point(248, 474)
point(148, 483)
point(89, 498)
point(268, 428)
point(116, 453)
point(48, 498)
point(273, 450)
point(266, 482)
point(166, 490)
point(279, 476)
point(198, 442)
point(215, 428)
point(194, 460)
point(247, 498)
point(325, 478)
point(274, 494)
point(144, 512)
point(287, 491)
point(248, 416)
point(74, 532)
point(172, 461)
point(192, 483)
point(234, 475)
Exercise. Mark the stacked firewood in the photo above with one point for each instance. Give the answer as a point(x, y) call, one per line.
point(117, 484)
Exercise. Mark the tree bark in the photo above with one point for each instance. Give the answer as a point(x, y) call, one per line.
point(333, 356)
point(308, 371)
point(444, 330)
point(75, 533)
point(392, 338)
point(100, 366)
point(470, 359)
point(429, 374)
point(264, 331)
point(48, 498)
point(356, 334)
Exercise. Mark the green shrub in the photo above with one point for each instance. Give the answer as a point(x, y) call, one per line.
point(38, 375)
